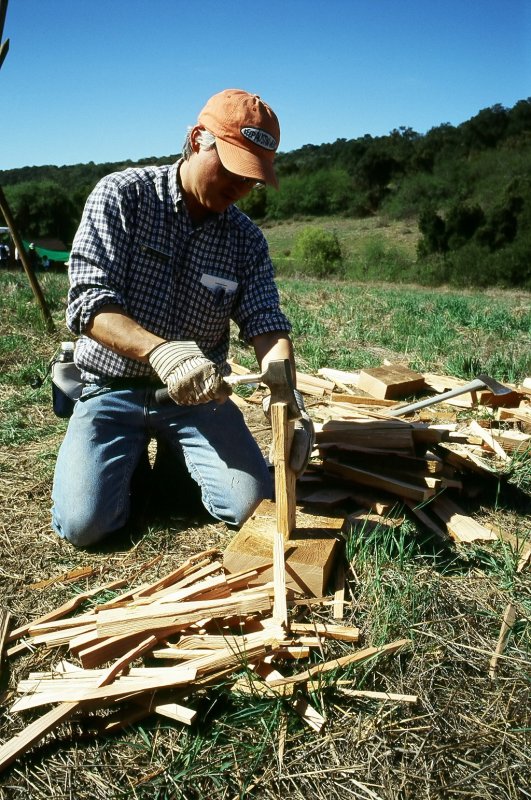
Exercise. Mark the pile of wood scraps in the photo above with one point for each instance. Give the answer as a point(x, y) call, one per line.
point(155, 648)
point(430, 460)
point(368, 454)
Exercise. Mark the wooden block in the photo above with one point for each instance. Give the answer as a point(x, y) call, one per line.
point(442, 383)
point(309, 384)
point(309, 553)
point(510, 399)
point(364, 521)
point(238, 369)
point(379, 502)
point(390, 382)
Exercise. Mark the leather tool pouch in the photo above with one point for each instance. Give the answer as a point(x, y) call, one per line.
point(66, 387)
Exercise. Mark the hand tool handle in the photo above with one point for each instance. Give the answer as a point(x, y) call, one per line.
point(249, 377)
point(162, 395)
point(439, 398)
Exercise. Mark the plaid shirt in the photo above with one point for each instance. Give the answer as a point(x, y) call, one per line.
point(136, 248)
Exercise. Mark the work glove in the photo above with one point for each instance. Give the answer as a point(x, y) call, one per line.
point(303, 435)
point(190, 376)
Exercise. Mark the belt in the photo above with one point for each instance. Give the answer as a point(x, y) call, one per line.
point(132, 383)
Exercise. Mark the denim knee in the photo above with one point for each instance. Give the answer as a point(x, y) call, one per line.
point(242, 502)
point(83, 529)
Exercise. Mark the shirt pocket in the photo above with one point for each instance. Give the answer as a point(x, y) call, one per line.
point(218, 291)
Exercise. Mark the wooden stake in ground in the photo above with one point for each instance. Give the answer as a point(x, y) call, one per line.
point(283, 430)
point(308, 551)
point(285, 504)
point(307, 556)
point(34, 283)
point(506, 627)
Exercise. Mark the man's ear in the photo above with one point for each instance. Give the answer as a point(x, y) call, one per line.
point(194, 137)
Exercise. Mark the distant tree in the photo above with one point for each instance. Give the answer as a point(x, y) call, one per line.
point(435, 146)
point(42, 209)
point(501, 226)
point(487, 128)
point(373, 175)
point(519, 118)
point(462, 222)
point(433, 233)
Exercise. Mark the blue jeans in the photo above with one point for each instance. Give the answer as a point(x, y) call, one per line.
point(106, 438)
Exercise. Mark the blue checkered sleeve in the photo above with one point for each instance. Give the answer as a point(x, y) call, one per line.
point(137, 248)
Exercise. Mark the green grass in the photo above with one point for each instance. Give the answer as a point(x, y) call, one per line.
point(465, 737)
point(351, 326)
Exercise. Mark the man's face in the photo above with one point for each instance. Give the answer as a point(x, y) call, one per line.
point(212, 186)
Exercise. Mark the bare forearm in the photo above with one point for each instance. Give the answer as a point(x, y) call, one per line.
point(272, 346)
point(114, 329)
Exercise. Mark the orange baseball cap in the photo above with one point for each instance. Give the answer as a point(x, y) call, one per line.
point(247, 133)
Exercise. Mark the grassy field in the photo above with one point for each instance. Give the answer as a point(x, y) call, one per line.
point(467, 736)
point(373, 245)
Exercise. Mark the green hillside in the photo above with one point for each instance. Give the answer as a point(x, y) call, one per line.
point(463, 193)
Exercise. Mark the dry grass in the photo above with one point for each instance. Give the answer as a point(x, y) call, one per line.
point(467, 736)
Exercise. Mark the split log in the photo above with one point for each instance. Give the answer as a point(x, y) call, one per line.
point(342, 633)
point(309, 384)
point(392, 697)
point(489, 440)
point(339, 376)
point(66, 608)
point(360, 400)
point(523, 414)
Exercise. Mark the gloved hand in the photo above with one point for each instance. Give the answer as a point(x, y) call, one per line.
point(303, 435)
point(190, 376)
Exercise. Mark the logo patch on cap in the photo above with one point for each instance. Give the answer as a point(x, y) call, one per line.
point(260, 137)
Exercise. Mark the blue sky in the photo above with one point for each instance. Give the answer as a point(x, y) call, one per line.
point(105, 80)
